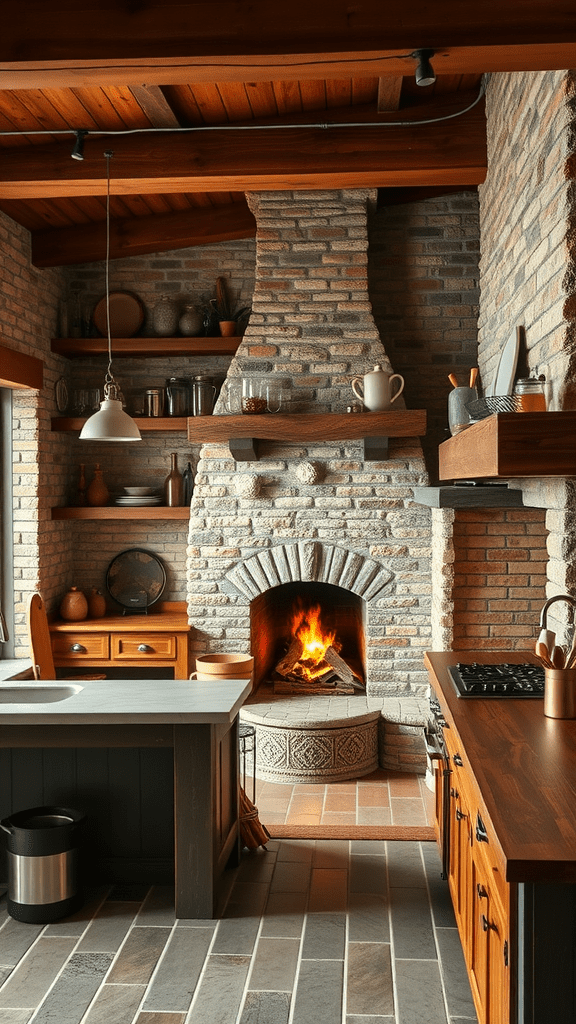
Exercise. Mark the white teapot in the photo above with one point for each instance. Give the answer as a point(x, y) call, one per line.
point(375, 388)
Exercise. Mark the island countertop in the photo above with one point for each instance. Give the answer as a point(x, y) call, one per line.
point(525, 768)
point(135, 701)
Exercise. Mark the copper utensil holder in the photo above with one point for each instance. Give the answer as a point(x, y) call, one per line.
point(560, 692)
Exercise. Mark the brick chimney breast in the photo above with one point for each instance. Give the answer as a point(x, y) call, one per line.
point(311, 315)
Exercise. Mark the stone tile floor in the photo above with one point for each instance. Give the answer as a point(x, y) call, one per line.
point(382, 798)
point(314, 932)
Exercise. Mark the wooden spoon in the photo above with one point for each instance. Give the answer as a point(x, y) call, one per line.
point(543, 653)
point(558, 657)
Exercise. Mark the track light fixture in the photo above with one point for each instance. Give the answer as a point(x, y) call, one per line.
point(424, 72)
point(78, 151)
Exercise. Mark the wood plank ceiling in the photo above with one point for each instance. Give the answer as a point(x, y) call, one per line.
point(271, 96)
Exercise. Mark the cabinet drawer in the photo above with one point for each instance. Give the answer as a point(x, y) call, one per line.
point(152, 646)
point(489, 857)
point(80, 646)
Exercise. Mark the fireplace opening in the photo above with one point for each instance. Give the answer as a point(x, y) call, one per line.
point(308, 638)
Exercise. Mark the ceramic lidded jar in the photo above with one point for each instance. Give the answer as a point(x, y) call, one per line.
point(165, 317)
point(74, 606)
point(190, 322)
point(97, 494)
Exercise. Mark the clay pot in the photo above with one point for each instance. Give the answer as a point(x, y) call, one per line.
point(228, 328)
point(97, 493)
point(74, 606)
point(96, 604)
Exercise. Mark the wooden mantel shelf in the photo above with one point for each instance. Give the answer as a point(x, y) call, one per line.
point(242, 432)
point(511, 444)
point(126, 348)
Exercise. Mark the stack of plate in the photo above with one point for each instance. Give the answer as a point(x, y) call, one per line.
point(139, 496)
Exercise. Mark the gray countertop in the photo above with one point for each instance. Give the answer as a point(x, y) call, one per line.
point(117, 701)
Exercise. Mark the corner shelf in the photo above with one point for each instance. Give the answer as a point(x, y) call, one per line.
point(116, 512)
point(242, 432)
point(512, 444)
point(144, 423)
point(127, 348)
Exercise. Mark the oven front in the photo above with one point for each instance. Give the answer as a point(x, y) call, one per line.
point(440, 761)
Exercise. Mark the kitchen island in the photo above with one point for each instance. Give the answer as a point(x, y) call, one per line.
point(197, 720)
point(511, 821)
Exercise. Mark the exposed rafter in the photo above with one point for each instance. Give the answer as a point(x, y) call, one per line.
point(449, 153)
point(59, 43)
point(137, 236)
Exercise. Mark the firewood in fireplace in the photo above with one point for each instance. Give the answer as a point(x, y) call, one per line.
point(286, 665)
point(342, 669)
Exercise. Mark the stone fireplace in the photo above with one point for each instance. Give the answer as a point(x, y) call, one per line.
point(314, 512)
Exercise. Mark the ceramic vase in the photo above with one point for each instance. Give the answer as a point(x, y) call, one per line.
point(74, 606)
point(165, 317)
point(190, 323)
point(96, 604)
point(97, 493)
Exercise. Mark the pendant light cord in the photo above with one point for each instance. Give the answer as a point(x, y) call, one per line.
point(109, 379)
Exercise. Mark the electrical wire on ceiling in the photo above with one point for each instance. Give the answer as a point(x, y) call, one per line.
point(252, 127)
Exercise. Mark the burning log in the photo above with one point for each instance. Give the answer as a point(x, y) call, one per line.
point(312, 663)
point(285, 667)
point(342, 669)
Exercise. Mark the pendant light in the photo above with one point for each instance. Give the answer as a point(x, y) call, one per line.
point(111, 423)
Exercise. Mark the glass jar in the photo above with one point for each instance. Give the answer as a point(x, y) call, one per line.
point(178, 396)
point(529, 394)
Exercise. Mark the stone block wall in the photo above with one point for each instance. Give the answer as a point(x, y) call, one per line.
point(528, 270)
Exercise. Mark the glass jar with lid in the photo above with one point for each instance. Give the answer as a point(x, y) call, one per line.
point(529, 394)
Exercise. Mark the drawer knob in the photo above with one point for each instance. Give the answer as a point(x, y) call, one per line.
point(78, 648)
point(145, 649)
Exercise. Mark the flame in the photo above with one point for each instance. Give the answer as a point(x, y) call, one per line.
point(315, 640)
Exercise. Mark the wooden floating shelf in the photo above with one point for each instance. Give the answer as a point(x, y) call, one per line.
point(243, 432)
point(144, 423)
point(117, 512)
point(511, 444)
point(125, 348)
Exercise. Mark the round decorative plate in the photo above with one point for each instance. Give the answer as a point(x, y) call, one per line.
point(126, 315)
point(136, 579)
point(61, 393)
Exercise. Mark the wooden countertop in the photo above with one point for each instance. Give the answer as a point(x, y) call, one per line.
point(524, 765)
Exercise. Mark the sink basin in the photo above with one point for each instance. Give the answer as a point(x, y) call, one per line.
point(37, 694)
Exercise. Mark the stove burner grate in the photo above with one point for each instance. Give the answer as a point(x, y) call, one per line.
point(503, 680)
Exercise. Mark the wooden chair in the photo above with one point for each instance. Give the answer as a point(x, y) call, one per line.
point(40, 644)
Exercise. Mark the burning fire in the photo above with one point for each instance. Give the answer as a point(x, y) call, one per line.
point(315, 639)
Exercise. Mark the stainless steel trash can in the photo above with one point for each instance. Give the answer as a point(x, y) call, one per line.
point(42, 847)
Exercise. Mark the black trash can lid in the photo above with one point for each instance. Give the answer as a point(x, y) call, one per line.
point(43, 818)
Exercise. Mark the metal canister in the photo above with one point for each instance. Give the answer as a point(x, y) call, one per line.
point(177, 396)
point(154, 402)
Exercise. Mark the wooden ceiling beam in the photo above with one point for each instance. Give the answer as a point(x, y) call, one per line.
point(139, 236)
point(59, 43)
point(153, 102)
point(448, 153)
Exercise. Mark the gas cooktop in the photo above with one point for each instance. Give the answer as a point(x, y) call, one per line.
point(497, 680)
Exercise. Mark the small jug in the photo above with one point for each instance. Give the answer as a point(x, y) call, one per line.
point(375, 388)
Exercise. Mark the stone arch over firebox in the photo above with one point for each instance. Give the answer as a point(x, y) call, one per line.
point(309, 561)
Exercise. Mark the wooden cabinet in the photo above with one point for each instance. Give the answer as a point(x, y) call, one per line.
point(156, 640)
point(480, 894)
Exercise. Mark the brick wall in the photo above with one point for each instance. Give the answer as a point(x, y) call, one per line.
point(28, 312)
point(528, 269)
point(423, 280)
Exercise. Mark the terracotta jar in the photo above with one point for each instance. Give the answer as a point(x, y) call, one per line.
point(97, 493)
point(74, 606)
point(96, 604)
